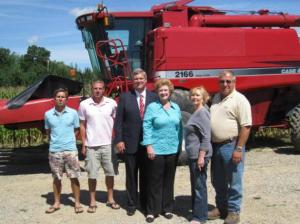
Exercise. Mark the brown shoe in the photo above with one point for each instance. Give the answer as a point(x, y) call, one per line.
point(214, 214)
point(232, 218)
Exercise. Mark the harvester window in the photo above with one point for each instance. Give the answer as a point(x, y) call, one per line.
point(89, 45)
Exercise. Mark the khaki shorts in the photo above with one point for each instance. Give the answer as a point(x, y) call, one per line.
point(64, 161)
point(100, 155)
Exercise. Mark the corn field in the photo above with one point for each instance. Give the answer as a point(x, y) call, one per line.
point(34, 137)
point(18, 138)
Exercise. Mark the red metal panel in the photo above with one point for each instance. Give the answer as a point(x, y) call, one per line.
point(33, 110)
point(245, 20)
point(196, 48)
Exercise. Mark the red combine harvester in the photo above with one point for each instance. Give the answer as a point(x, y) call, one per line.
point(190, 45)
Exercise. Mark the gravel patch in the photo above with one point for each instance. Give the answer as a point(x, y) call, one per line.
point(271, 187)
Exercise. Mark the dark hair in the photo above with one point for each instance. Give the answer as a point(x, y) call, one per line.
point(64, 90)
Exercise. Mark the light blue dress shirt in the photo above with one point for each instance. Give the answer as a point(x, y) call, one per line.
point(62, 125)
point(162, 128)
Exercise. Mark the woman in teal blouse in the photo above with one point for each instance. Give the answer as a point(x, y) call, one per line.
point(162, 136)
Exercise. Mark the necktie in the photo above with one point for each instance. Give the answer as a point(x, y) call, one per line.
point(142, 106)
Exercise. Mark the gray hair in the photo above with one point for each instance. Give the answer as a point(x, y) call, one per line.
point(227, 72)
point(138, 71)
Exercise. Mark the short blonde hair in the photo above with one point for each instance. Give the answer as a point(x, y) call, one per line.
point(203, 93)
point(164, 82)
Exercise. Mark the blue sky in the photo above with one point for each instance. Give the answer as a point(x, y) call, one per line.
point(51, 23)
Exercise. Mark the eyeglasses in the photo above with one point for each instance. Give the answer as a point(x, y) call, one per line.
point(222, 81)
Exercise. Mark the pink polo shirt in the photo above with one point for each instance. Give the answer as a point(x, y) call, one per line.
point(99, 120)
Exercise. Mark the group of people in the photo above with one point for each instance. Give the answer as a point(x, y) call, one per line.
point(146, 128)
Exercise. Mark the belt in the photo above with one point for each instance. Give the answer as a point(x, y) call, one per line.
point(225, 141)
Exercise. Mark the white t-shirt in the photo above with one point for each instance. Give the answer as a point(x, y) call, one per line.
point(99, 120)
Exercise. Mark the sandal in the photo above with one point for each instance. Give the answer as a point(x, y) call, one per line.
point(92, 209)
point(52, 209)
point(78, 209)
point(112, 205)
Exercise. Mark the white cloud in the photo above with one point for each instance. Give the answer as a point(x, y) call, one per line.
point(80, 11)
point(33, 40)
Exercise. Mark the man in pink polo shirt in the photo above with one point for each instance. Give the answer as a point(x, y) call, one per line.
point(96, 116)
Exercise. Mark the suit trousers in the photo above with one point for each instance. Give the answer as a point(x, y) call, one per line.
point(161, 174)
point(136, 168)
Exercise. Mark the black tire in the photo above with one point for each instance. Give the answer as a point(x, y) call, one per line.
point(181, 97)
point(294, 122)
point(183, 158)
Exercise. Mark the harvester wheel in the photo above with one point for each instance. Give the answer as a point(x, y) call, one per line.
point(294, 122)
point(183, 158)
point(181, 97)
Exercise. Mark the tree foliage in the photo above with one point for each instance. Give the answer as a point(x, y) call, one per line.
point(23, 70)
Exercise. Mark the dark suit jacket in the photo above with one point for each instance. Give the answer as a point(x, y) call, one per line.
point(128, 123)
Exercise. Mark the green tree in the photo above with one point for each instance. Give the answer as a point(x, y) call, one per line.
point(16, 70)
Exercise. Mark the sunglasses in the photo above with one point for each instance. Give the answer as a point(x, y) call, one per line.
point(225, 81)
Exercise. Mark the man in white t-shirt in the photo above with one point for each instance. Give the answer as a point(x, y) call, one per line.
point(96, 116)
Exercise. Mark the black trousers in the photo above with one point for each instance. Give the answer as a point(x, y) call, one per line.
point(161, 174)
point(136, 168)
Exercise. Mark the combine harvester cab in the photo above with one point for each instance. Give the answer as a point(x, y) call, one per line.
point(191, 44)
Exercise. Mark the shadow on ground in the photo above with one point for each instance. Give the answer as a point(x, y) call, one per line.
point(280, 145)
point(183, 206)
point(101, 196)
point(27, 160)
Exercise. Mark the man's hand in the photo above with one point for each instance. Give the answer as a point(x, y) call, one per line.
point(83, 150)
point(237, 156)
point(150, 152)
point(120, 147)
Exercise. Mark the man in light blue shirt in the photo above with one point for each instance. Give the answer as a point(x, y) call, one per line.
point(62, 124)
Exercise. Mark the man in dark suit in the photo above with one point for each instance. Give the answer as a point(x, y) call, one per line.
point(129, 134)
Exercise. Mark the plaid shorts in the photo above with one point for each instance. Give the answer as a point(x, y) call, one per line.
point(64, 161)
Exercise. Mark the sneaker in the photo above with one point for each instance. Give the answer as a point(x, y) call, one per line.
point(232, 218)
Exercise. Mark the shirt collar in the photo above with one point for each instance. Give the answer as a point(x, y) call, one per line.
point(138, 94)
point(229, 96)
point(65, 110)
point(92, 102)
point(172, 104)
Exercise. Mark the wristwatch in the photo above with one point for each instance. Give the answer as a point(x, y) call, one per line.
point(239, 148)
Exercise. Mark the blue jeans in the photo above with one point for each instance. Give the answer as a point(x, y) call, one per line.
point(227, 177)
point(199, 190)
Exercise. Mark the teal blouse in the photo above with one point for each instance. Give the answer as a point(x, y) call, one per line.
point(162, 128)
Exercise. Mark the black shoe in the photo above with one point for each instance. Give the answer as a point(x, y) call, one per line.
point(149, 218)
point(168, 215)
point(130, 212)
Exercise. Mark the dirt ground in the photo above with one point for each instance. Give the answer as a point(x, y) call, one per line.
point(271, 193)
